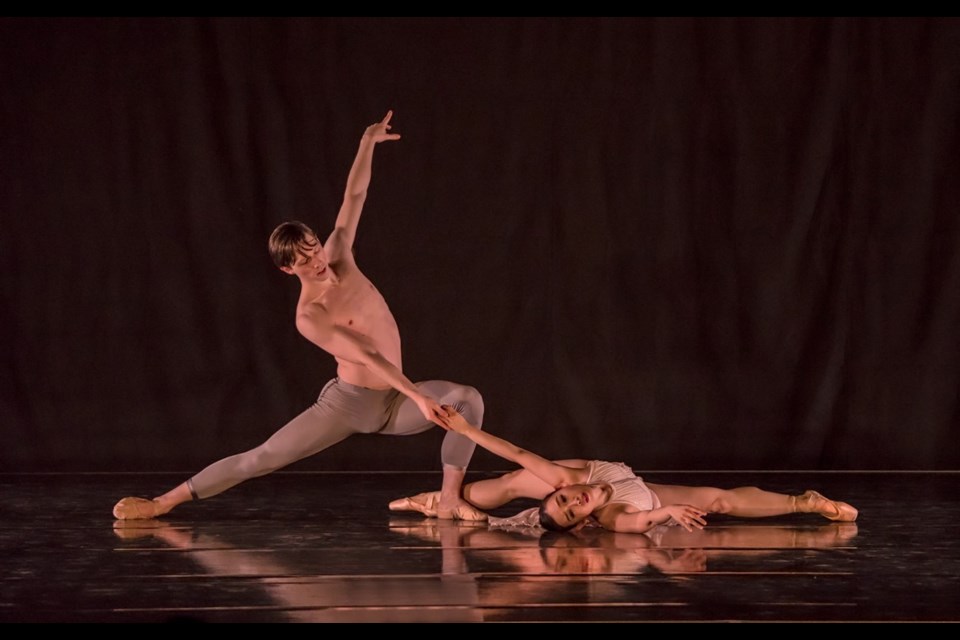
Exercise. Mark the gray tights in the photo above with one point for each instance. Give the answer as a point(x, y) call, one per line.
point(342, 410)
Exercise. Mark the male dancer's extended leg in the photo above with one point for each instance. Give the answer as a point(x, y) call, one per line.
point(456, 451)
point(335, 415)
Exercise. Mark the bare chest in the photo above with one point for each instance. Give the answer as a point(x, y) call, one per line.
point(357, 304)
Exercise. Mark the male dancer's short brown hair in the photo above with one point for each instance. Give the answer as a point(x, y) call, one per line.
point(286, 240)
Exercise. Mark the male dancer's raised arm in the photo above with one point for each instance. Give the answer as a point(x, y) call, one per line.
point(355, 194)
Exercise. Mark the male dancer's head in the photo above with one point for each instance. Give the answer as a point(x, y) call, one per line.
point(295, 250)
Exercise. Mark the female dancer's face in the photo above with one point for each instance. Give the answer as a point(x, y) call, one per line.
point(573, 504)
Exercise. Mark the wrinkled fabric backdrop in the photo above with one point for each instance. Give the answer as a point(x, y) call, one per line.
point(681, 243)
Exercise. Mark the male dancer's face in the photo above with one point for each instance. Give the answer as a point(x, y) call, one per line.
point(310, 261)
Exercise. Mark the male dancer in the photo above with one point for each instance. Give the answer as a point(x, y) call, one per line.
point(341, 312)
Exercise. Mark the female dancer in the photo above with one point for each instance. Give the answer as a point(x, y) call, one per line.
point(574, 492)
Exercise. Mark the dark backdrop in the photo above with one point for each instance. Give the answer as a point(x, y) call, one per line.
point(683, 243)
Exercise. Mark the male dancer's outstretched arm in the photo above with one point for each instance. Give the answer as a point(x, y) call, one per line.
point(316, 325)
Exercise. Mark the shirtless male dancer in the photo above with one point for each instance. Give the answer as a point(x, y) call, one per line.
point(341, 312)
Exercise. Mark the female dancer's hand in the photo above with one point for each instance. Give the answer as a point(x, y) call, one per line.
point(687, 516)
point(455, 421)
point(432, 410)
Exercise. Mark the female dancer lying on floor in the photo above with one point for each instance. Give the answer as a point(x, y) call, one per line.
point(574, 492)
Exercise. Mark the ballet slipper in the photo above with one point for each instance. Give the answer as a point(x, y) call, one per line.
point(812, 502)
point(425, 503)
point(131, 508)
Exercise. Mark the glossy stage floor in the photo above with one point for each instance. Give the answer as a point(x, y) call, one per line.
point(323, 547)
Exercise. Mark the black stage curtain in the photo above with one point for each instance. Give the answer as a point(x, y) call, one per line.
point(681, 243)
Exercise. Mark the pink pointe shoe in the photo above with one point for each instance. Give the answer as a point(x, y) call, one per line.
point(812, 502)
point(425, 503)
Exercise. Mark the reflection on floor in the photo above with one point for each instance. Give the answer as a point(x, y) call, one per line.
point(323, 547)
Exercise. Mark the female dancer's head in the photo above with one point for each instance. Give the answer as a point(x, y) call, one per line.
point(570, 506)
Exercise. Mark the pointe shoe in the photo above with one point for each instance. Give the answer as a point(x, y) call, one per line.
point(425, 503)
point(813, 502)
point(131, 508)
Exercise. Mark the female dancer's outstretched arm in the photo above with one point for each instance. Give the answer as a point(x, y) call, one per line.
point(552, 473)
